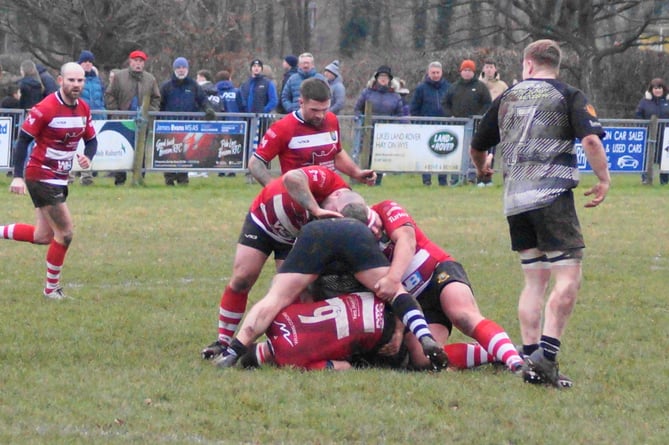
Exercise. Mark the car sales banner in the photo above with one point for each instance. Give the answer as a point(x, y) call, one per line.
point(196, 145)
point(625, 150)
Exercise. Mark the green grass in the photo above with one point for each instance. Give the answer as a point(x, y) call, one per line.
point(119, 363)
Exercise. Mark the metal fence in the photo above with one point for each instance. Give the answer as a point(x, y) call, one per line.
point(356, 133)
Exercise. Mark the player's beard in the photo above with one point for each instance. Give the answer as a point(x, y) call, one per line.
point(71, 94)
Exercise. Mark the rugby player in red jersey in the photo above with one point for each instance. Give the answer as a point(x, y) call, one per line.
point(429, 273)
point(271, 225)
point(56, 124)
point(308, 136)
point(355, 329)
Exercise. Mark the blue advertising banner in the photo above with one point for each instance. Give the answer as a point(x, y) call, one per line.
point(199, 144)
point(625, 150)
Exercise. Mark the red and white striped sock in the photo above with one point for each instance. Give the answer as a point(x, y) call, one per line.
point(231, 311)
point(497, 342)
point(18, 232)
point(467, 355)
point(55, 257)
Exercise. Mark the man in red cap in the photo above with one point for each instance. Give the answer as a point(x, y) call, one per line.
point(127, 91)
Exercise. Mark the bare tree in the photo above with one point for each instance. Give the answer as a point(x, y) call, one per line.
point(592, 29)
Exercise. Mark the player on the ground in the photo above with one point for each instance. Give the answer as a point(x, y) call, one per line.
point(341, 245)
point(56, 124)
point(350, 330)
point(429, 273)
point(271, 225)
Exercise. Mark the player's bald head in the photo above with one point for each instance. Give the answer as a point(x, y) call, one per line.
point(71, 68)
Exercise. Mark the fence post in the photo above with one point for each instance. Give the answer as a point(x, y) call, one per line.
point(365, 150)
point(142, 121)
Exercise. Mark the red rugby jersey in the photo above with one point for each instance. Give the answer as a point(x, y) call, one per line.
point(427, 255)
point(298, 144)
point(279, 215)
point(57, 129)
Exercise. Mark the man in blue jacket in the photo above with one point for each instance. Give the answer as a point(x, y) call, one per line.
point(182, 93)
point(258, 91)
point(426, 101)
point(291, 91)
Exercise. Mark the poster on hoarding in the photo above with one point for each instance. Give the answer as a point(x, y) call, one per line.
point(116, 145)
point(418, 148)
point(664, 156)
point(199, 145)
point(6, 125)
point(625, 149)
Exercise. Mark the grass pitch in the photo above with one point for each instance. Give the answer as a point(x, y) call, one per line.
point(119, 362)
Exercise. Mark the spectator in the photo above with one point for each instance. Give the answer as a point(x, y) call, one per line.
point(289, 68)
point(50, 84)
point(427, 98)
point(467, 97)
point(232, 99)
point(490, 77)
point(127, 91)
point(337, 88)
point(182, 93)
point(94, 94)
point(655, 103)
point(205, 79)
point(539, 179)
point(291, 90)
point(384, 100)
point(308, 136)
point(12, 97)
point(30, 84)
point(258, 92)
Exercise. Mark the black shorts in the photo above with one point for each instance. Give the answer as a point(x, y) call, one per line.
point(334, 246)
point(430, 299)
point(44, 194)
point(254, 236)
point(551, 228)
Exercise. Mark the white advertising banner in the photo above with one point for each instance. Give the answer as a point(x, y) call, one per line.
point(664, 160)
point(418, 148)
point(5, 140)
point(116, 146)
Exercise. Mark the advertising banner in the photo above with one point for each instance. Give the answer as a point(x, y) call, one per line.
point(418, 148)
point(664, 157)
point(116, 145)
point(625, 150)
point(5, 140)
point(199, 145)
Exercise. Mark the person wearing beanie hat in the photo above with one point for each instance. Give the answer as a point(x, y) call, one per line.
point(384, 101)
point(93, 93)
point(127, 92)
point(337, 88)
point(291, 61)
point(467, 97)
point(468, 65)
point(86, 56)
point(183, 94)
point(383, 69)
point(259, 92)
point(180, 62)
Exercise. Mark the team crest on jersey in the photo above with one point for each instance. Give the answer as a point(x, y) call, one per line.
point(442, 277)
point(591, 110)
